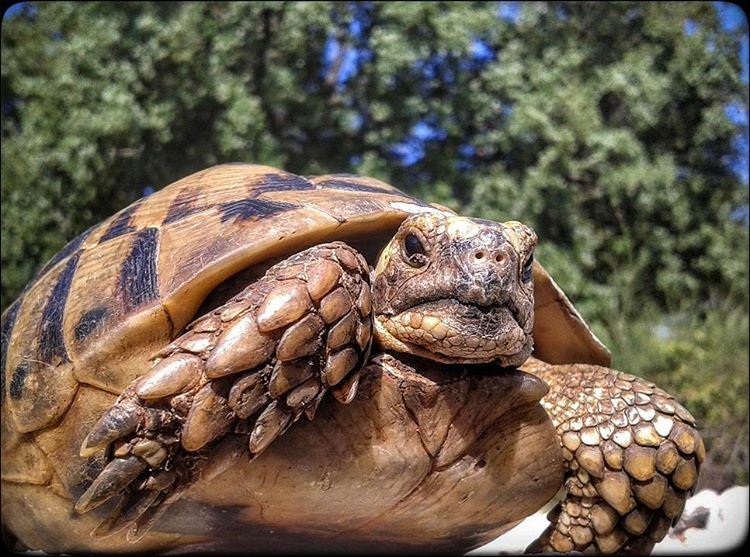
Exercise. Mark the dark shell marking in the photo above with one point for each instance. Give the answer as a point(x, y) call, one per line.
point(247, 209)
point(18, 379)
point(139, 277)
point(279, 182)
point(89, 321)
point(9, 320)
point(184, 205)
point(347, 185)
point(122, 224)
point(51, 341)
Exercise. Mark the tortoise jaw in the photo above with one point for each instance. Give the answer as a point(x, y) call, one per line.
point(451, 331)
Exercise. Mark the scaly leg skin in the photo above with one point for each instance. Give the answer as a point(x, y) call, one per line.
point(632, 457)
point(233, 382)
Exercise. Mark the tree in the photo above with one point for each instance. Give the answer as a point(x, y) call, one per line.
point(603, 125)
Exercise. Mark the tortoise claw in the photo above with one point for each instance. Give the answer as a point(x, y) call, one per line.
point(105, 528)
point(126, 513)
point(141, 504)
point(120, 420)
point(115, 477)
point(148, 518)
point(271, 423)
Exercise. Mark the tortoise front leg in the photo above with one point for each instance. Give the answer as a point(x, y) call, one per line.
point(632, 458)
point(234, 382)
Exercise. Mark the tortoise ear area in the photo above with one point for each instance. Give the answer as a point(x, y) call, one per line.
point(561, 335)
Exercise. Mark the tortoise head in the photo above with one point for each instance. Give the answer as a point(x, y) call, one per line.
point(457, 290)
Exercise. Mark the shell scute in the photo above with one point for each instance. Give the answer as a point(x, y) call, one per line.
point(114, 320)
point(39, 381)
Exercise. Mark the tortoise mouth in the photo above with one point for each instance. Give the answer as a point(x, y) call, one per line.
point(453, 331)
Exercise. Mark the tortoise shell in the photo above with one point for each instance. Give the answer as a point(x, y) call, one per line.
point(123, 289)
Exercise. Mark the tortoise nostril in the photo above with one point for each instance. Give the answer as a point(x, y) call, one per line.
point(499, 257)
point(479, 255)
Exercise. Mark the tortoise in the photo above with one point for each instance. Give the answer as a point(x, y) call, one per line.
point(155, 363)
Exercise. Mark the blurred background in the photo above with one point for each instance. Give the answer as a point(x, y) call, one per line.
point(619, 131)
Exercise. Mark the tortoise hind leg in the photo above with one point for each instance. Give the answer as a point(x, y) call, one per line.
point(632, 457)
point(232, 383)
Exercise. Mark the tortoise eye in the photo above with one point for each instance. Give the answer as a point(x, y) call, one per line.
point(527, 269)
point(414, 251)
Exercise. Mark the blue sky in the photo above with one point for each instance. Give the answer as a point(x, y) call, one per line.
point(13, 10)
point(733, 17)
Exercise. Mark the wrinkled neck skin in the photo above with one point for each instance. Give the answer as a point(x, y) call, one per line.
point(456, 290)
